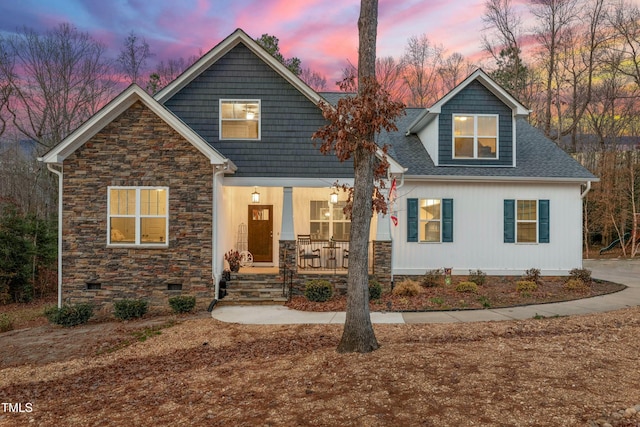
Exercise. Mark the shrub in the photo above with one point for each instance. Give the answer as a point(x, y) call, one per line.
point(182, 303)
point(526, 286)
point(532, 275)
point(375, 290)
point(407, 288)
point(575, 285)
point(6, 322)
point(581, 274)
point(318, 290)
point(130, 308)
point(484, 301)
point(470, 287)
point(437, 300)
point(478, 277)
point(432, 278)
point(70, 315)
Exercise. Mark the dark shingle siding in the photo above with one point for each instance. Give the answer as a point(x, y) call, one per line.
point(536, 156)
point(288, 119)
point(476, 99)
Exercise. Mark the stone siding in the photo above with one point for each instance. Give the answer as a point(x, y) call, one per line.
point(137, 149)
point(382, 262)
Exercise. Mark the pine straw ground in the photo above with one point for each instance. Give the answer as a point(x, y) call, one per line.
point(198, 371)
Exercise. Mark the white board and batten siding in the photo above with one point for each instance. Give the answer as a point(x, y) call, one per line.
point(478, 230)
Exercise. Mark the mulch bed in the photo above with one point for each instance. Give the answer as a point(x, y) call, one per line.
point(497, 292)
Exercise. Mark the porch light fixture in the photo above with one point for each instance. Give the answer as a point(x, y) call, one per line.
point(255, 196)
point(333, 197)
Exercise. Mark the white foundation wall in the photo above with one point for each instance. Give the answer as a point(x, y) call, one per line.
point(478, 230)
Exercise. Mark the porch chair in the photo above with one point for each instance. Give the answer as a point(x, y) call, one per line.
point(306, 255)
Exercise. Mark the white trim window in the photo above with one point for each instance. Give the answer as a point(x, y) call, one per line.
point(138, 216)
point(527, 221)
point(430, 224)
point(475, 136)
point(328, 221)
point(240, 119)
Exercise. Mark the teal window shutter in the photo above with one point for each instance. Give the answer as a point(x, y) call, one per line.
point(509, 221)
point(543, 221)
point(447, 220)
point(412, 220)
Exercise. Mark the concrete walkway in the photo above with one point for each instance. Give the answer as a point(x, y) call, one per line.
point(622, 271)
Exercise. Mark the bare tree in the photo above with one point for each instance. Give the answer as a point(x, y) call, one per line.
point(453, 70)
point(54, 81)
point(421, 62)
point(389, 74)
point(314, 79)
point(554, 20)
point(57, 80)
point(350, 134)
point(167, 72)
point(133, 58)
point(501, 39)
point(577, 65)
point(610, 109)
point(625, 20)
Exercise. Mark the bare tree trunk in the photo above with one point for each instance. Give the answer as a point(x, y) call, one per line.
point(358, 335)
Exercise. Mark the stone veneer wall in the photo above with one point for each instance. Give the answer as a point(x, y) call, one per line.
point(382, 262)
point(137, 149)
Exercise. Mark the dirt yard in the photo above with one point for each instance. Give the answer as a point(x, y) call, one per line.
point(197, 371)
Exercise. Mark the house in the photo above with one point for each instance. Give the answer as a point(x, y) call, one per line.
point(155, 190)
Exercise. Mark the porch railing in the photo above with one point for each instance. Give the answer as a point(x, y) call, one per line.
point(324, 256)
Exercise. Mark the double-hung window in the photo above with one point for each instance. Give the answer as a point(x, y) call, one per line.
point(475, 136)
point(430, 215)
point(138, 216)
point(239, 119)
point(327, 220)
point(526, 221)
point(430, 220)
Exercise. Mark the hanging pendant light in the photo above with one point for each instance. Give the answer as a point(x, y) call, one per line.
point(333, 197)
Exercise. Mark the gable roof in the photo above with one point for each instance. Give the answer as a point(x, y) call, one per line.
point(221, 49)
point(112, 110)
point(538, 158)
point(479, 75)
point(286, 160)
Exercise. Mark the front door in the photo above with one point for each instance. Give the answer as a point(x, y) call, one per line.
point(261, 232)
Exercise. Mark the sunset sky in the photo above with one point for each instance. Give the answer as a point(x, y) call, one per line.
point(322, 33)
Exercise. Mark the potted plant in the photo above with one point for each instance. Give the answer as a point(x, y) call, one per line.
point(233, 258)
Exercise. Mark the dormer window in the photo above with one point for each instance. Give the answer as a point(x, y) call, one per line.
point(239, 119)
point(475, 136)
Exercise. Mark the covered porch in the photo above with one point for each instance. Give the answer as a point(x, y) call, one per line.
point(257, 219)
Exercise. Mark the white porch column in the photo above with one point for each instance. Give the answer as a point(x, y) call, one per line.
point(286, 231)
point(383, 230)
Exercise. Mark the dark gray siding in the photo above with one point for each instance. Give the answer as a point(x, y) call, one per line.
point(288, 119)
point(476, 99)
